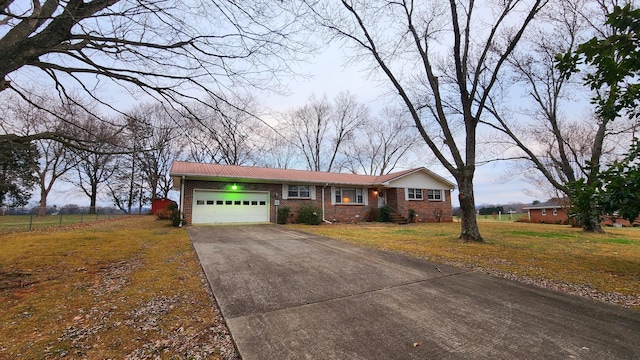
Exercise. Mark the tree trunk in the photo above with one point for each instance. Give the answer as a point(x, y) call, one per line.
point(469, 226)
point(93, 198)
point(42, 206)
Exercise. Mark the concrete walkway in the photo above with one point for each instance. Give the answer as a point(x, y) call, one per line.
point(290, 295)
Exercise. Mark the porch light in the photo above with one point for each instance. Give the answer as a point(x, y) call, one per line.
point(234, 187)
point(375, 192)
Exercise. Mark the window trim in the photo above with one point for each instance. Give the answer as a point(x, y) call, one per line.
point(414, 191)
point(543, 212)
point(364, 193)
point(440, 192)
point(285, 192)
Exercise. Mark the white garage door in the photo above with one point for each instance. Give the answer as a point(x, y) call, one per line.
point(228, 207)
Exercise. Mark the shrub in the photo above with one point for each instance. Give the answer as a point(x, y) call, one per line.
point(309, 214)
point(384, 214)
point(412, 215)
point(283, 214)
point(176, 217)
point(174, 214)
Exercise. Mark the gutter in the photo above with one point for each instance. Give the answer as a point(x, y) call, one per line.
point(323, 219)
point(181, 201)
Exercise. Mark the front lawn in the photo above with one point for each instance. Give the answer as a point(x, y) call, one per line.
point(125, 288)
point(601, 266)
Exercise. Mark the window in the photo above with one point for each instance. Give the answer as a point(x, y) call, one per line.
point(299, 191)
point(434, 194)
point(199, 202)
point(543, 212)
point(414, 194)
point(555, 212)
point(346, 195)
point(209, 202)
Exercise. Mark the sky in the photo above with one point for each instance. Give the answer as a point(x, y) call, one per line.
point(329, 75)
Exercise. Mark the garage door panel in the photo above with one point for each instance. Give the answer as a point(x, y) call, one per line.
point(229, 207)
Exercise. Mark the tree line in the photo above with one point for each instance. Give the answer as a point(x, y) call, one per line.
point(548, 85)
point(125, 160)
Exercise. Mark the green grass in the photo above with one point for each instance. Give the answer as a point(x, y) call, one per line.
point(607, 262)
point(125, 287)
point(22, 223)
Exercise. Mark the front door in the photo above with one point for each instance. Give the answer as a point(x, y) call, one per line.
point(382, 198)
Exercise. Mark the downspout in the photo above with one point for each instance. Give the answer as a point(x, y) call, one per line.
point(323, 219)
point(181, 201)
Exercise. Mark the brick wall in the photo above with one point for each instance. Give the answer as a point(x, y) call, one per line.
point(343, 213)
point(426, 210)
point(561, 216)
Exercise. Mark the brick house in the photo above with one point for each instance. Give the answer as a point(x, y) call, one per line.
point(212, 193)
point(551, 212)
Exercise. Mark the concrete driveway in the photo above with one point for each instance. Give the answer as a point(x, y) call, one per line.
point(290, 295)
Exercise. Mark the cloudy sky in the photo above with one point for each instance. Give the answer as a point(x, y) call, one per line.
point(329, 75)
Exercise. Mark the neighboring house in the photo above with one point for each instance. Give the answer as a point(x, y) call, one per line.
point(211, 193)
point(550, 212)
point(555, 212)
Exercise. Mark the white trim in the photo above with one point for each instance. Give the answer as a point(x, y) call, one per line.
point(312, 192)
point(363, 190)
point(406, 194)
point(259, 216)
point(285, 192)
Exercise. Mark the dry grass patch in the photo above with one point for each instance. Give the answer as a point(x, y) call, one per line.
point(126, 288)
point(601, 266)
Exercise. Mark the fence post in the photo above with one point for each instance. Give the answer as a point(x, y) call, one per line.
point(60, 224)
point(81, 216)
point(31, 221)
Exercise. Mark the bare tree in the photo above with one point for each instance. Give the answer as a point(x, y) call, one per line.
point(126, 186)
point(163, 144)
point(94, 167)
point(224, 133)
point(561, 146)
point(321, 128)
point(54, 158)
point(379, 148)
point(174, 51)
point(443, 60)
point(280, 150)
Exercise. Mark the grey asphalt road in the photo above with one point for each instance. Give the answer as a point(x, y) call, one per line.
point(290, 295)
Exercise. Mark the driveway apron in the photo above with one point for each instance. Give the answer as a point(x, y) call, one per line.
point(291, 295)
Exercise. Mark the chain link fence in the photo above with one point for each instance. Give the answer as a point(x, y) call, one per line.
point(29, 219)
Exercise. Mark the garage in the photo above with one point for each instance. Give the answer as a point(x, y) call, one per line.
point(210, 207)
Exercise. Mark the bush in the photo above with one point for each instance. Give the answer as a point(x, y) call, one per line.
point(283, 214)
point(412, 215)
point(171, 213)
point(309, 214)
point(384, 214)
point(176, 218)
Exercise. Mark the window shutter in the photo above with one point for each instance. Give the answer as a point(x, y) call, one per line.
point(365, 196)
point(312, 192)
point(333, 195)
point(406, 194)
point(285, 191)
point(442, 195)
